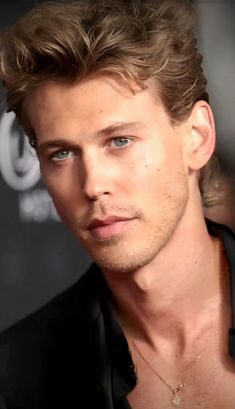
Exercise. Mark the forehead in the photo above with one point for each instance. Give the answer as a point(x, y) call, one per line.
point(90, 105)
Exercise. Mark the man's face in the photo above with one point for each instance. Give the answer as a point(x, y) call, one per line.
point(114, 166)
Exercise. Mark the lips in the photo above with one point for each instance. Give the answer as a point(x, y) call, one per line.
point(106, 222)
point(110, 227)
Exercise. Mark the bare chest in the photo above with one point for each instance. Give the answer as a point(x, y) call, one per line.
point(211, 386)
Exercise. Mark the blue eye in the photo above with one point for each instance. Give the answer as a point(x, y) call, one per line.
point(62, 154)
point(120, 142)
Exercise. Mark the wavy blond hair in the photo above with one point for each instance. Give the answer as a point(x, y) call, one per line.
point(138, 40)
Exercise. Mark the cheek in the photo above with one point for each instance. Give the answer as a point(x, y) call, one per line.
point(60, 173)
point(61, 184)
point(159, 172)
point(148, 165)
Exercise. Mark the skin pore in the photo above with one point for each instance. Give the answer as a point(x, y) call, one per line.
point(124, 180)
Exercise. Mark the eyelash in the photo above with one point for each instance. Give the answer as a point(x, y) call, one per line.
point(126, 139)
point(53, 156)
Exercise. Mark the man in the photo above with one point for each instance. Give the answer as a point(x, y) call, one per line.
point(112, 96)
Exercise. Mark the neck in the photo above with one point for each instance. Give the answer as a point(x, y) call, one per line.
point(159, 302)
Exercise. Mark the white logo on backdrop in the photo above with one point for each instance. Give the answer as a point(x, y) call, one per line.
point(19, 167)
point(18, 163)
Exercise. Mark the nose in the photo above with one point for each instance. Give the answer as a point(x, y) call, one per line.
point(97, 176)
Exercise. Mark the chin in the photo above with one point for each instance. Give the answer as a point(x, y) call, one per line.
point(120, 261)
point(118, 267)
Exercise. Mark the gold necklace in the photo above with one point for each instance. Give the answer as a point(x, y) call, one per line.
point(175, 399)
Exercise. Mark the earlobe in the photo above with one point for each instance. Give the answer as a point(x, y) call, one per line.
point(202, 135)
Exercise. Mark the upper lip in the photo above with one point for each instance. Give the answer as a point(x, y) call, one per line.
point(104, 222)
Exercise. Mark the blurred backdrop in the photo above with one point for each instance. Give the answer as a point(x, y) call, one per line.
point(38, 256)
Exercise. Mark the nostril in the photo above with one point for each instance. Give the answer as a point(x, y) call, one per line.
point(96, 196)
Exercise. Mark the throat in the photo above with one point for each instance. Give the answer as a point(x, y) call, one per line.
point(171, 316)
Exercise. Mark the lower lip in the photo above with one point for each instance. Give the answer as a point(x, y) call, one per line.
point(110, 230)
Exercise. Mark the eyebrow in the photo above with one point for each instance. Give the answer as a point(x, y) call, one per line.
point(119, 127)
point(109, 130)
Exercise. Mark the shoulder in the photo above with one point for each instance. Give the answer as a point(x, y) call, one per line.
point(80, 298)
point(45, 349)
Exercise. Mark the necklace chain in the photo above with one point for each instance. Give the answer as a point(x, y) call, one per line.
point(175, 399)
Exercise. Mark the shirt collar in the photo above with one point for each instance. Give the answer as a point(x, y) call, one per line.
point(228, 239)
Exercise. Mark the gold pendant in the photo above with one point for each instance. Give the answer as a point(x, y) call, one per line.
point(175, 400)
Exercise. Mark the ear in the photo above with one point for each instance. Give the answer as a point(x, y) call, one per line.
point(201, 137)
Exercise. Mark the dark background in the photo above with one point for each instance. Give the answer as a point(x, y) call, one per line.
point(38, 256)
